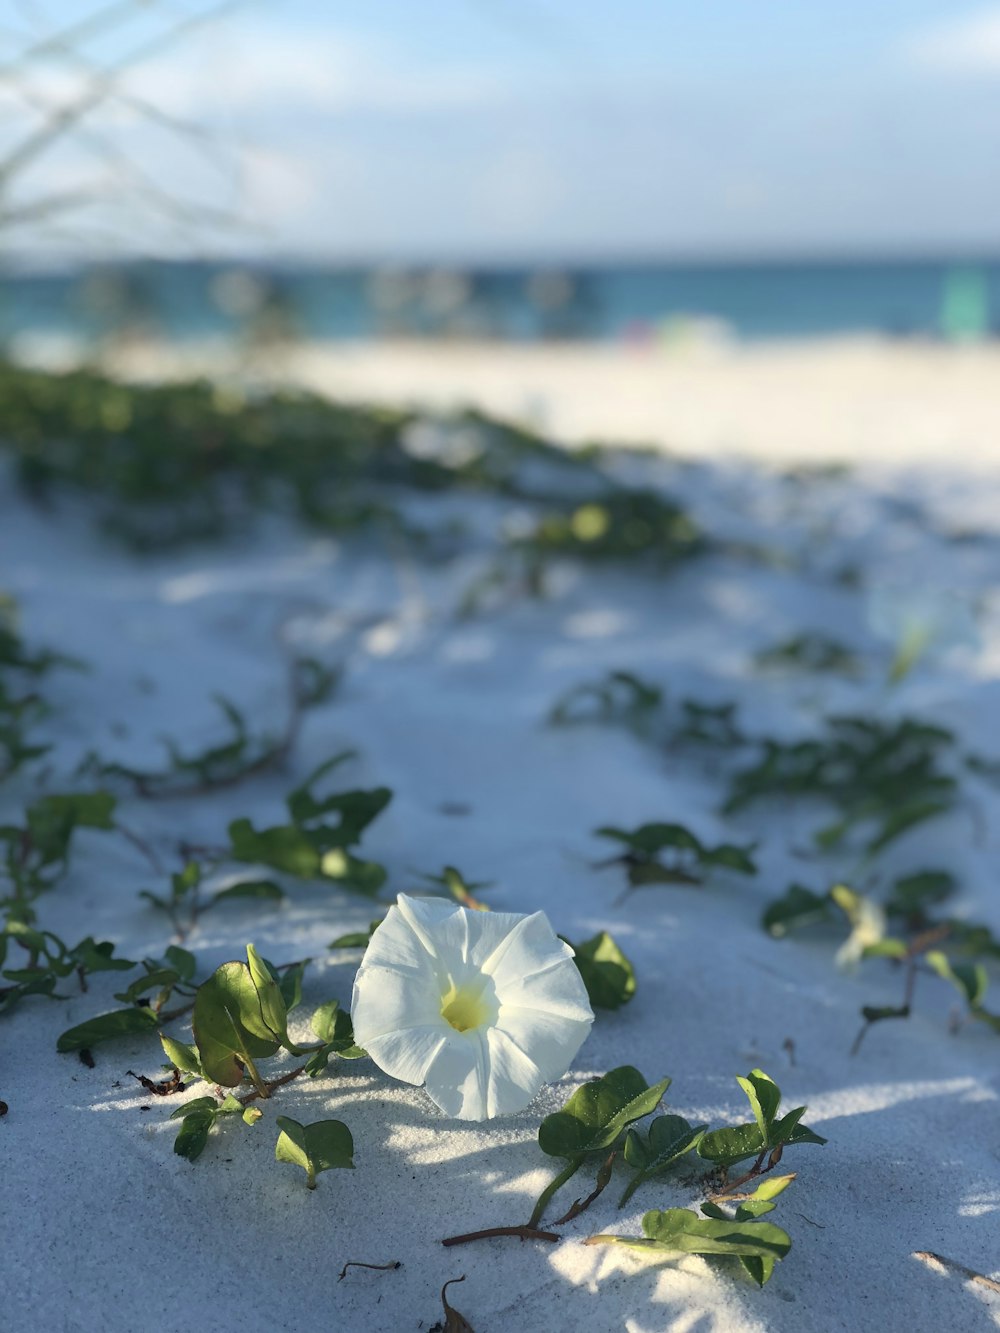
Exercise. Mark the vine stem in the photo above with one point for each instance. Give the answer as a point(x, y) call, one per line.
point(758, 1169)
point(141, 846)
point(556, 1183)
point(262, 1088)
point(522, 1233)
point(265, 1089)
point(631, 1188)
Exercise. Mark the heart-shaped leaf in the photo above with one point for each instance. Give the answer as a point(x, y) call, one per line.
point(607, 973)
point(118, 1023)
point(669, 1138)
point(598, 1112)
point(228, 1025)
point(321, 1146)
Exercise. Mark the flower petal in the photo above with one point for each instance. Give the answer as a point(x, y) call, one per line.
point(515, 1078)
point(399, 941)
point(460, 939)
point(535, 969)
point(387, 999)
point(457, 1079)
point(408, 1053)
point(550, 1041)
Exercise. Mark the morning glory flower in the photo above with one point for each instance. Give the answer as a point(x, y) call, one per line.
point(919, 622)
point(868, 927)
point(483, 1008)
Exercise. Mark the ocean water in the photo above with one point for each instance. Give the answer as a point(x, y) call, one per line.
point(180, 301)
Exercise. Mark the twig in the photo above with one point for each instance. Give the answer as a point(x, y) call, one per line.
point(159, 786)
point(930, 1258)
point(902, 1012)
point(142, 846)
point(522, 1233)
point(356, 1263)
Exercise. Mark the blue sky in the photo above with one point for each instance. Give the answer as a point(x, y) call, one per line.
point(520, 128)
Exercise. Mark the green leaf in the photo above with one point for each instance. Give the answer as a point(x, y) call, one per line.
point(158, 978)
point(797, 907)
point(913, 894)
point(904, 818)
point(193, 1133)
point(290, 984)
point(356, 940)
point(229, 1028)
point(620, 694)
point(321, 1146)
point(890, 947)
point(182, 1056)
point(325, 1018)
point(770, 1187)
point(876, 1013)
point(12, 995)
point(79, 809)
point(195, 1106)
point(361, 876)
point(670, 1137)
point(186, 880)
point(759, 1268)
point(199, 1115)
point(729, 857)
point(105, 1027)
point(726, 1147)
point(94, 957)
point(651, 839)
point(788, 1130)
point(969, 979)
point(597, 1113)
point(315, 682)
point(651, 872)
point(302, 804)
point(334, 1027)
point(272, 1002)
point(181, 960)
point(285, 847)
point(811, 651)
point(259, 889)
point(356, 809)
point(764, 1097)
point(607, 974)
point(681, 1231)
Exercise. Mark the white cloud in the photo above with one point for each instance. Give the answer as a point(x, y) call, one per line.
point(968, 45)
point(252, 68)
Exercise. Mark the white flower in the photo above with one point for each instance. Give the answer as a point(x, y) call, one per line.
point(867, 921)
point(919, 621)
point(484, 1008)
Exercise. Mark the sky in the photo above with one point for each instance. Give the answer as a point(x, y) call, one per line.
point(511, 129)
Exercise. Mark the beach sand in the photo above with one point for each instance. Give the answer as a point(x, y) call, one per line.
point(846, 400)
point(108, 1230)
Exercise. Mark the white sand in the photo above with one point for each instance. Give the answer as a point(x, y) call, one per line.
point(860, 399)
point(105, 1228)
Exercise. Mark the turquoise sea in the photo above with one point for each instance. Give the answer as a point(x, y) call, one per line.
point(931, 297)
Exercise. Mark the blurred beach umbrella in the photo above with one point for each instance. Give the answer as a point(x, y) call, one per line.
point(965, 305)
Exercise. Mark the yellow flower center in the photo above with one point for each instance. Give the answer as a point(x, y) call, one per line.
point(465, 1007)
